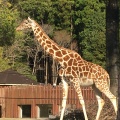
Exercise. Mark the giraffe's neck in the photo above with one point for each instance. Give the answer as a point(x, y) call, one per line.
point(62, 55)
point(47, 44)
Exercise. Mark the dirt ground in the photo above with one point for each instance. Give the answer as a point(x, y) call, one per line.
point(106, 114)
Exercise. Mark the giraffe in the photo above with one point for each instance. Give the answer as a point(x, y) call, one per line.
point(74, 69)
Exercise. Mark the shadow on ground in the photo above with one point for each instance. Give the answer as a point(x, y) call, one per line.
point(75, 115)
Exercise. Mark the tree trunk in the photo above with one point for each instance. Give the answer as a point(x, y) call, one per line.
point(112, 42)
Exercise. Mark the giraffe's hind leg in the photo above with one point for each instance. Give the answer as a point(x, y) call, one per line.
point(100, 101)
point(104, 88)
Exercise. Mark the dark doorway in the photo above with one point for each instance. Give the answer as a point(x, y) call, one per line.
point(26, 111)
point(45, 110)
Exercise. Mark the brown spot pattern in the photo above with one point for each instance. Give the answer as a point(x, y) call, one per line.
point(58, 54)
point(51, 51)
point(66, 58)
point(63, 52)
point(70, 62)
point(55, 47)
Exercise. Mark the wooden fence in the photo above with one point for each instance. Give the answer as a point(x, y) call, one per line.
point(11, 97)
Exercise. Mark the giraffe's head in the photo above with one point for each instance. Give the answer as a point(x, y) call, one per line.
point(26, 24)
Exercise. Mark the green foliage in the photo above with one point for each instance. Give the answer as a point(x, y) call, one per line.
point(90, 18)
point(7, 25)
point(37, 9)
point(56, 12)
point(62, 13)
point(4, 62)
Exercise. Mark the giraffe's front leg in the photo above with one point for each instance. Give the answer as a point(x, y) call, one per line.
point(65, 94)
point(79, 92)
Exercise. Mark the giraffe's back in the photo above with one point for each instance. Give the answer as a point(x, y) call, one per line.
point(90, 73)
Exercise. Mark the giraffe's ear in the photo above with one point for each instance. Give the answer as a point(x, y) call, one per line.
point(29, 19)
